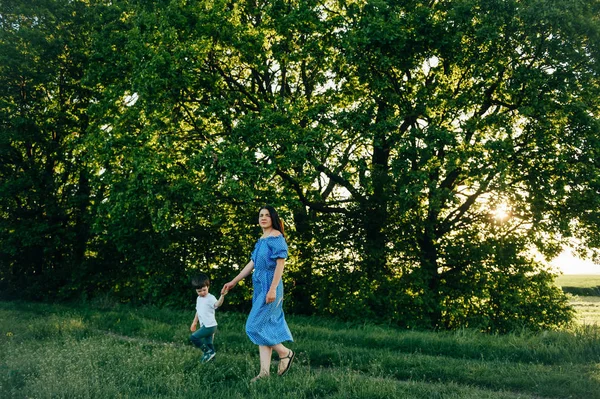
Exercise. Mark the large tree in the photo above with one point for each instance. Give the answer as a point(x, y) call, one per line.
point(416, 122)
point(44, 180)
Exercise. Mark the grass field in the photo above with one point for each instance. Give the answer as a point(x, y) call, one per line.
point(582, 284)
point(584, 291)
point(110, 351)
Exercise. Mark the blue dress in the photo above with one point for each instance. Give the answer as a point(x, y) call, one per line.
point(266, 323)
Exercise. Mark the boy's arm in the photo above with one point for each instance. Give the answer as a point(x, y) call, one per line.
point(220, 301)
point(194, 323)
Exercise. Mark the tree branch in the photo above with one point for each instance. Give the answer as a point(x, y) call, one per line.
point(317, 206)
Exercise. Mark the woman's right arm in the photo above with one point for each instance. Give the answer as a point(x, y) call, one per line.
point(243, 274)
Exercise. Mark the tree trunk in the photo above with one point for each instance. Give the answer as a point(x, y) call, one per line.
point(429, 277)
point(303, 279)
point(375, 213)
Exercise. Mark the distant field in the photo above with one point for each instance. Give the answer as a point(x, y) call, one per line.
point(580, 284)
point(579, 280)
point(585, 296)
point(587, 308)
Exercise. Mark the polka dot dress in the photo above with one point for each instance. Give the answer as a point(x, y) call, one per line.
point(266, 323)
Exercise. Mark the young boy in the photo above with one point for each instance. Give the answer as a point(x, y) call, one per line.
point(205, 314)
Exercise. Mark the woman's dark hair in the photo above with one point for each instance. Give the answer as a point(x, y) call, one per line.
point(276, 222)
point(200, 281)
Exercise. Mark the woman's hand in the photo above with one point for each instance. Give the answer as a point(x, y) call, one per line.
point(271, 296)
point(227, 287)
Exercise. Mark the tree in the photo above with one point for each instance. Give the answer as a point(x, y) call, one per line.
point(415, 121)
point(422, 151)
point(44, 189)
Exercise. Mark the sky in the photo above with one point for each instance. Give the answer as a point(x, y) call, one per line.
point(570, 264)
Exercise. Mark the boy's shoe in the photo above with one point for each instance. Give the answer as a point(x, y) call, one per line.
point(208, 356)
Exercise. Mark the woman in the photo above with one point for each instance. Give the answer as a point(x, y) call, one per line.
point(266, 325)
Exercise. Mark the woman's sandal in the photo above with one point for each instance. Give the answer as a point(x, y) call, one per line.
point(290, 356)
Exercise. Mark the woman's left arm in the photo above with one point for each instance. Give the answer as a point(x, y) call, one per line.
point(276, 279)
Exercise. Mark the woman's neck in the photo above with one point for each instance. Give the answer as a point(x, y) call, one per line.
point(267, 232)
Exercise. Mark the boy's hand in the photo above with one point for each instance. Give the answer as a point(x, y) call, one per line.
point(193, 327)
point(227, 287)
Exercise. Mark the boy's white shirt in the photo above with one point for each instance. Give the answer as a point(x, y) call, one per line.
point(205, 309)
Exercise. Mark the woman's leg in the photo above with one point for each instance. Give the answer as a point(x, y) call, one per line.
point(281, 350)
point(285, 358)
point(265, 353)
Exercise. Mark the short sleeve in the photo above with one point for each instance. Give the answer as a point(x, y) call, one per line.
point(278, 247)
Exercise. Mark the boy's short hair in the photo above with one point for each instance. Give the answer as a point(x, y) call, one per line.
point(200, 281)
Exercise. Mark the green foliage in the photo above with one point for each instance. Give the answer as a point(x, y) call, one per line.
point(44, 177)
point(139, 139)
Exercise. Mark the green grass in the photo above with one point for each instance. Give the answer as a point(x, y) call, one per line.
point(57, 351)
point(587, 308)
point(584, 296)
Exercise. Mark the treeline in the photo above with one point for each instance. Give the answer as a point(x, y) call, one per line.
point(419, 152)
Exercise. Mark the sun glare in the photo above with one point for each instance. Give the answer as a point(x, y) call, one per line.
point(501, 213)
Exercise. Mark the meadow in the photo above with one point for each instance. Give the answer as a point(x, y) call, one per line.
point(106, 350)
point(584, 292)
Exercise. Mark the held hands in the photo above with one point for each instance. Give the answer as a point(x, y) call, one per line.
point(227, 287)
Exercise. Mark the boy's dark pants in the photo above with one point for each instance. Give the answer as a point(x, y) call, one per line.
point(203, 338)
